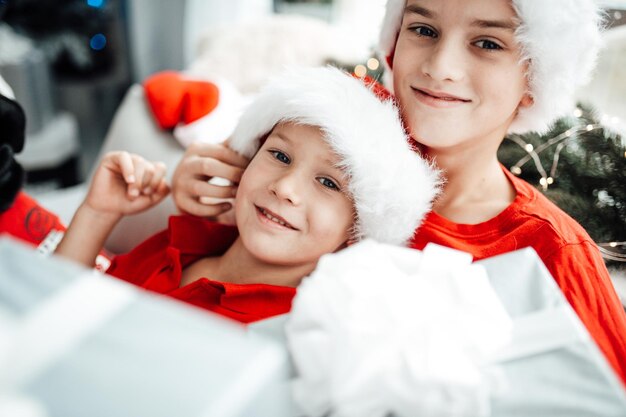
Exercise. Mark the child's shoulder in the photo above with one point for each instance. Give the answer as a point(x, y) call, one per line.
point(549, 220)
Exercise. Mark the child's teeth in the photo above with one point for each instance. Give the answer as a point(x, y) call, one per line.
point(274, 219)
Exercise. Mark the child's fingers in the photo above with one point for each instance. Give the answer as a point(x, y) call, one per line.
point(220, 152)
point(161, 190)
point(204, 189)
point(146, 179)
point(134, 188)
point(215, 168)
point(125, 162)
point(157, 178)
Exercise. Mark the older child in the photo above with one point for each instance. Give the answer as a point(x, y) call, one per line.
point(319, 178)
point(465, 73)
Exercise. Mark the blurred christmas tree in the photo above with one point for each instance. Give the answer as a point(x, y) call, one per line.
point(581, 166)
point(72, 33)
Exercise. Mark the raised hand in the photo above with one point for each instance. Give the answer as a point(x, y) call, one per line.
point(126, 184)
point(123, 184)
point(191, 190)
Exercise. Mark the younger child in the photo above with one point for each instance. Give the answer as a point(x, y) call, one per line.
point(323, 173)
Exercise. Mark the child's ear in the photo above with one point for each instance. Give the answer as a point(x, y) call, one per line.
point(345, 245)
point(527, 100)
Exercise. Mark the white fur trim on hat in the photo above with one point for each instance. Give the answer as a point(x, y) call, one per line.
point(392, 186)
point(559, 39)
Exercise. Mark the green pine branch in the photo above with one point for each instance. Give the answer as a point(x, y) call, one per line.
point(589, 182)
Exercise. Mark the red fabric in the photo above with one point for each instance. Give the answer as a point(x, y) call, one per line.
point(563, 245)
point(378, 89)
point(157, 265)
point(174, 99)
point(28, 221)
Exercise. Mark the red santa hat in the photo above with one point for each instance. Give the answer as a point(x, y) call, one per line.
point(560, 40)
point(391, 185)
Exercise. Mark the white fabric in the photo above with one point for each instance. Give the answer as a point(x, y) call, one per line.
point(379, 330)
point(392, 186)
point(250, 53)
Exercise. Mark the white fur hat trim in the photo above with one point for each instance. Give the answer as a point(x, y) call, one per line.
point(392, 186)
point(560, 40)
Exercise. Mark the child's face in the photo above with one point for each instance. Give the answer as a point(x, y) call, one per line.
point(292, 204)
point(457, 72)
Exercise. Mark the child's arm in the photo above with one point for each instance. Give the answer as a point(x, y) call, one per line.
point(123, 184)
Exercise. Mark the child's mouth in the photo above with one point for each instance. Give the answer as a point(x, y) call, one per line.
point(273, 217)
point(437, 99)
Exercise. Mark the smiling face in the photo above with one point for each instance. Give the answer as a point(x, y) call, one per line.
point(292, 204)
point(457, 72)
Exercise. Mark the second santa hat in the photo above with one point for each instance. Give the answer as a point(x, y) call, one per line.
point(392, 186)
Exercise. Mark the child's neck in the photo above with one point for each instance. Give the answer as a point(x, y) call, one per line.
point(237, 265)
point(476, 188)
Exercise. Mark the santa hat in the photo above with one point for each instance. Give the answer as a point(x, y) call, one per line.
point(560, 40)
point(197, 109)
point(391, 185)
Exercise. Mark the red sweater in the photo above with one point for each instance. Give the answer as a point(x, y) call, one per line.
point(157, 265)
point(568, 252)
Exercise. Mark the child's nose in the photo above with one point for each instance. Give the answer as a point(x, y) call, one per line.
point(446, 61)
point(288, 187)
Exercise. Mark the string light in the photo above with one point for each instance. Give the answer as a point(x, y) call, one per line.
point(610, 250)
point(533, 153)
point(360, 71)
point(373, 64)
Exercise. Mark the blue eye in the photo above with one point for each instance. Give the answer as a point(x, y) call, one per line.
point(488, 45)
point(280, 156)
point(424, 31)
point(328, 183)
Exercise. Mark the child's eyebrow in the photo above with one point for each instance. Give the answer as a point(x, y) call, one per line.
point(281, 137)
point(498, 24)
point(481, 23)
point(422, 11)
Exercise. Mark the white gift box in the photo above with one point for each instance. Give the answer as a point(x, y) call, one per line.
point(76, 343)
point(551, 367)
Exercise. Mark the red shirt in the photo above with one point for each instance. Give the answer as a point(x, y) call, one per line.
point(568, 252)
point(157, 265)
